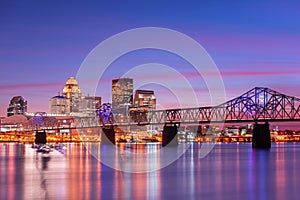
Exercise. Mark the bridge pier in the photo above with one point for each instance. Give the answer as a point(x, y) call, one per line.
point(108, 135)
point(199, 130)
point(40, 137)
point(261, 137)
point(169, 136)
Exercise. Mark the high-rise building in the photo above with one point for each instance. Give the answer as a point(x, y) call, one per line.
point(17, 106)
point(122, 93)
point(71, 102)
point(90, 104)
point(72, 91)
point(59, 105)
point(145, 99)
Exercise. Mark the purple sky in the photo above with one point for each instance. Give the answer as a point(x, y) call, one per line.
point(43, 43)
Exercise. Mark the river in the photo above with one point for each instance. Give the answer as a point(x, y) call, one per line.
point(228, 171)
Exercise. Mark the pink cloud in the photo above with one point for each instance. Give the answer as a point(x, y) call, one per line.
point(30, 86)
point(246, 73)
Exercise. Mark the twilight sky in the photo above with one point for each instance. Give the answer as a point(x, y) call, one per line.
point(43, 43)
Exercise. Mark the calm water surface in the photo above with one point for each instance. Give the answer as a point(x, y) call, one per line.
point(230, 171)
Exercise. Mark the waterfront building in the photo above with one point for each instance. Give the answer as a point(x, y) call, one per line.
point(145, 99)
point(89, 105)
point(17, 106)
point(72, 102)
point(59, 105)
point(122, 93)
point(72, 91)
point(13, 123)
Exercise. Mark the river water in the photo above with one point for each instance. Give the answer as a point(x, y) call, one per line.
point(229, 171)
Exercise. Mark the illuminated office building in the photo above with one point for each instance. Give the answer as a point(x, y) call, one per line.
point(59, 105)
point(89, 105)
point(122, 93)
point(17, 106)
point(145, 99)
point(72, 91)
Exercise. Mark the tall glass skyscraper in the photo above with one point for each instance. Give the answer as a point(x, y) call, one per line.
point(122, 94)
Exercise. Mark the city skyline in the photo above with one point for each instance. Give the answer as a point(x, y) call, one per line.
point(42, 44)
point(149, 99)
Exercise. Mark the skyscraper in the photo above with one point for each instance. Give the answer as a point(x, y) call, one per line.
point(72, 91)
point(71, 102)
point(17, 106)
point(122, 93)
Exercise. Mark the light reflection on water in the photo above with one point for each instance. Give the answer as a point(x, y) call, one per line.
point(230, 171)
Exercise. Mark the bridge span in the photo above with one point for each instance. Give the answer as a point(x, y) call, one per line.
point(257, 105)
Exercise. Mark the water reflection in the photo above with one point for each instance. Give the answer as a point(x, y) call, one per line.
point(136, 158)
point(230, 171)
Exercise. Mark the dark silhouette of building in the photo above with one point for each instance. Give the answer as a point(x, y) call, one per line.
point(17, 106)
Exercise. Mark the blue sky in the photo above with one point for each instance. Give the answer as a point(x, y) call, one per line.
point(43, 43)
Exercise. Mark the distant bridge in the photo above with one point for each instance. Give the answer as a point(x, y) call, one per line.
point(257, 105)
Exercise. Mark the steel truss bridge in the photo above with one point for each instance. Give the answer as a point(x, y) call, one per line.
point(257, 105)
